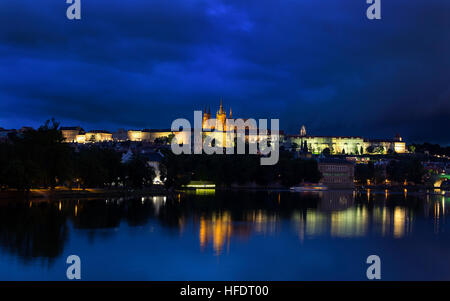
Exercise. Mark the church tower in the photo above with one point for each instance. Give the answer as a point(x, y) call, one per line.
point(303, 131)
point(221, 117)
point(205, 118)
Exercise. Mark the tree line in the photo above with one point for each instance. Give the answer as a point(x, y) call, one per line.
point(431, 149)
point(398, 171)
point(224, 170)
point(40, 159)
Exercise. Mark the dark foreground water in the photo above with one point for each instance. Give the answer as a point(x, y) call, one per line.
point(207, 235)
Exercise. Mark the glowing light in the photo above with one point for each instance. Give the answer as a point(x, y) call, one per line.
point(218, 229)
point(201, 186)
point(202, 233)
point(349, 223)
point(399, 222)
point(205, 191)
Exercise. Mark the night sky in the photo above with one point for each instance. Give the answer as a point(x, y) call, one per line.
point(142, 63)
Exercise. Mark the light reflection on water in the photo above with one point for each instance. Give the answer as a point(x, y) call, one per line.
point(221, 224)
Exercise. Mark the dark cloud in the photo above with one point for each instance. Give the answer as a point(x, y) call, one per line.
point(137, 64)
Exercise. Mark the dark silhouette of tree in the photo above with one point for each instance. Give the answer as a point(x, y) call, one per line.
point(170, 138)
point(364, 172)
point(239, 169)
point(36, 158)
point(305, 147)
point(139, 173)
point(410, 170)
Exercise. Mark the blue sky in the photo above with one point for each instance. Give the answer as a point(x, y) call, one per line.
point(141, 64)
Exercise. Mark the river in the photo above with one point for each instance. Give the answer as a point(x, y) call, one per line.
point(229, 235)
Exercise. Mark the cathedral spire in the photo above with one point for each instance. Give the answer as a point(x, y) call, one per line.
point(231, 115)
point(221, 105)
point(303, 131)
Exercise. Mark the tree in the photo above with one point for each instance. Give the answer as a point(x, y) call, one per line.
point(170, 138)
point(326, 152)
point(241, 169)
point(91, 170)
point(410, 170)
point(370, 149)
point(379, 149)
point(305, 147)
point(38, 158)
point(364, 172)
point(139, 173)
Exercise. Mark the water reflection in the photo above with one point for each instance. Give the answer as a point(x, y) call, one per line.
point(217, 230)
point(32, 230)
point(40, 229)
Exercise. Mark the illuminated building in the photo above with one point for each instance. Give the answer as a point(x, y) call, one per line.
point(77, 135)
point(70, 133)
point(151, 135)
point(337, 173)
point(217, 129)
point(345, 144)
point(97, 136)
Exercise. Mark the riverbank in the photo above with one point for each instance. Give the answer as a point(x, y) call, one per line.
point(64, 193)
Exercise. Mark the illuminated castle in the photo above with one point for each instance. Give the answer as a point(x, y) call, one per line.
point(346, 144)
point(217, 128)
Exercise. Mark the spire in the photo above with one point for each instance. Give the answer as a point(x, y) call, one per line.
point(221, 105)
point(303, 131)
point(231, 115)
point(209, 111)
point(205, 110)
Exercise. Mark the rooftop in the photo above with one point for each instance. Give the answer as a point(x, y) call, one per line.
point(339, 137)
point(99, 131)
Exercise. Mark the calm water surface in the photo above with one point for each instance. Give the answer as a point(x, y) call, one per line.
point(207, 235)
